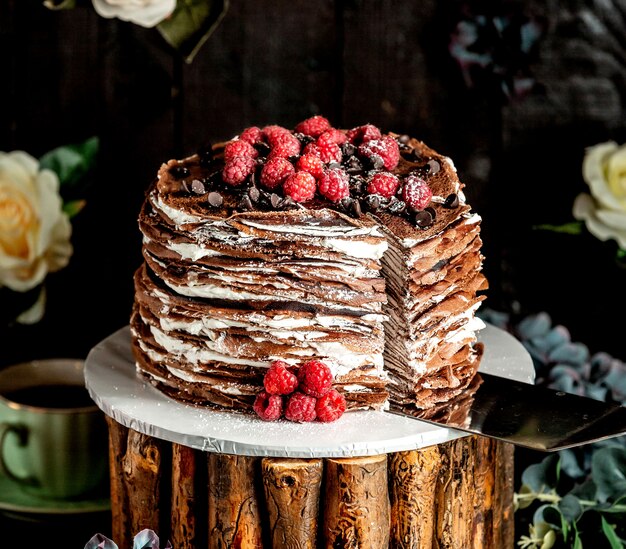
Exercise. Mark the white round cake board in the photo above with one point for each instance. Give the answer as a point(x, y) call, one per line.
point(114, 385)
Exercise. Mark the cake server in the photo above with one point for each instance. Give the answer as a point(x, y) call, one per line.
point(527, 415)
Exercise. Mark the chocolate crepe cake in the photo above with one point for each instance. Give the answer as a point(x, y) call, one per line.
point(352, 247)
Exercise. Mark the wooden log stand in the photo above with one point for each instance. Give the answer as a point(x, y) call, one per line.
point(458, 494)
point(202, 479)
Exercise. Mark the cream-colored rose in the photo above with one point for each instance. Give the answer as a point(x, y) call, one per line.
point(604, 210)
point(147, 13)
point(34, 231)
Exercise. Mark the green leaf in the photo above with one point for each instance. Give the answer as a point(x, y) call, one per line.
point(570, 508)
point(191, 24)
point(574, 227)
point(608, 468)
point(72, 207)
point(71, 162)
point(611, 536)
point(60, 4)
point(543, 476)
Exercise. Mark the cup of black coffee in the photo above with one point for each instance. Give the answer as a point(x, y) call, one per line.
point(53, 438)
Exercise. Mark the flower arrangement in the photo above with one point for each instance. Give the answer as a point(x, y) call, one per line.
point(602, 211)
point(35, 227)
point(577, 496)
point(146, 539)
point(184, 24)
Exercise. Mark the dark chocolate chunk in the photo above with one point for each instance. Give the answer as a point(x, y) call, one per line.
point(262, 148)
point(434, 166)
point(179, 171)
point(423, 219)
point(198, 187)
point(215, 199)
point(276, 201)
point(353, 165)
point(356, 208)
point(404, 139)
point(431, 211)
point(372, 202)
point(289, 203)
point(245, 203)
point(396, 206)
point(451, 201)
point(254, 194)
point(348, 149)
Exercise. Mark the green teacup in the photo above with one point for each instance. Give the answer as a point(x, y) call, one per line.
point(53, 438)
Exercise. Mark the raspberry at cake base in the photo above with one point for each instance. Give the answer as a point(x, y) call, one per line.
point(352, 247)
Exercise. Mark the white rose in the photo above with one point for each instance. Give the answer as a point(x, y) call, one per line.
point(147, 13)
point(34, 231)
point(604, 210)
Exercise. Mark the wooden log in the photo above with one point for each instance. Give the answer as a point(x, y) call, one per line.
point(412, 484)
point(292, 494)
point(143, 466)
point(503, 521)
point(356, 503)
point(233, 507)
point(188, 476)
point(120, 516)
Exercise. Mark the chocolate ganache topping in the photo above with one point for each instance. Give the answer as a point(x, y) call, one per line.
point(356, 172)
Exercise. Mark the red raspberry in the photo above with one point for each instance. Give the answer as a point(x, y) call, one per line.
point(383, 183)
point(331, 406)
point(315, 378)
point(300, 186)
point(238, 169)
point(252, 135)
point(273, 133)
point(268, 407)
point(279, 380)
point(416, 192)
point(330, 152)
point(312, 164)
point(285, 146)
point(362, 134)
point(300, 407)
point(332, 136)
point(335, 185)
point(275, 171)
point(387, 148)
point(239, 148)
point(311, 148)
point(314, 126)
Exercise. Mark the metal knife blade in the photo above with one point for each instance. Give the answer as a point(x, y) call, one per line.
point(526, 415)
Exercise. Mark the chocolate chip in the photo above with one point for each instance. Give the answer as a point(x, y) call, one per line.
point(356, 184)
point(396, 206)
point(377, 162)
point(451, 201)
point(434, 166)
point(198, 187)
point(423, 219)
point(245, 203)
point(356, 208)
point(354, 165)
point(348, 149)
point(289, 203)
point(373, 202)
point(254, 194)
point(276, 201)
point(215, 199)
point(431, 211)
point(179, 171)
point(262, 148)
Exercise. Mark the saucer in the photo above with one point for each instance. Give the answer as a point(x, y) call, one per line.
point(14, 498)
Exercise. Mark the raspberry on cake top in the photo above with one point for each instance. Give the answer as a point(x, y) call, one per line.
point(352, 248)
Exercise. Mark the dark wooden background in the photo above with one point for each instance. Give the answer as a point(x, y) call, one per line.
point(68, 75)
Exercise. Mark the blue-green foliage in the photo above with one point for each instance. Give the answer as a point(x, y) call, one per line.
point(577, 496)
